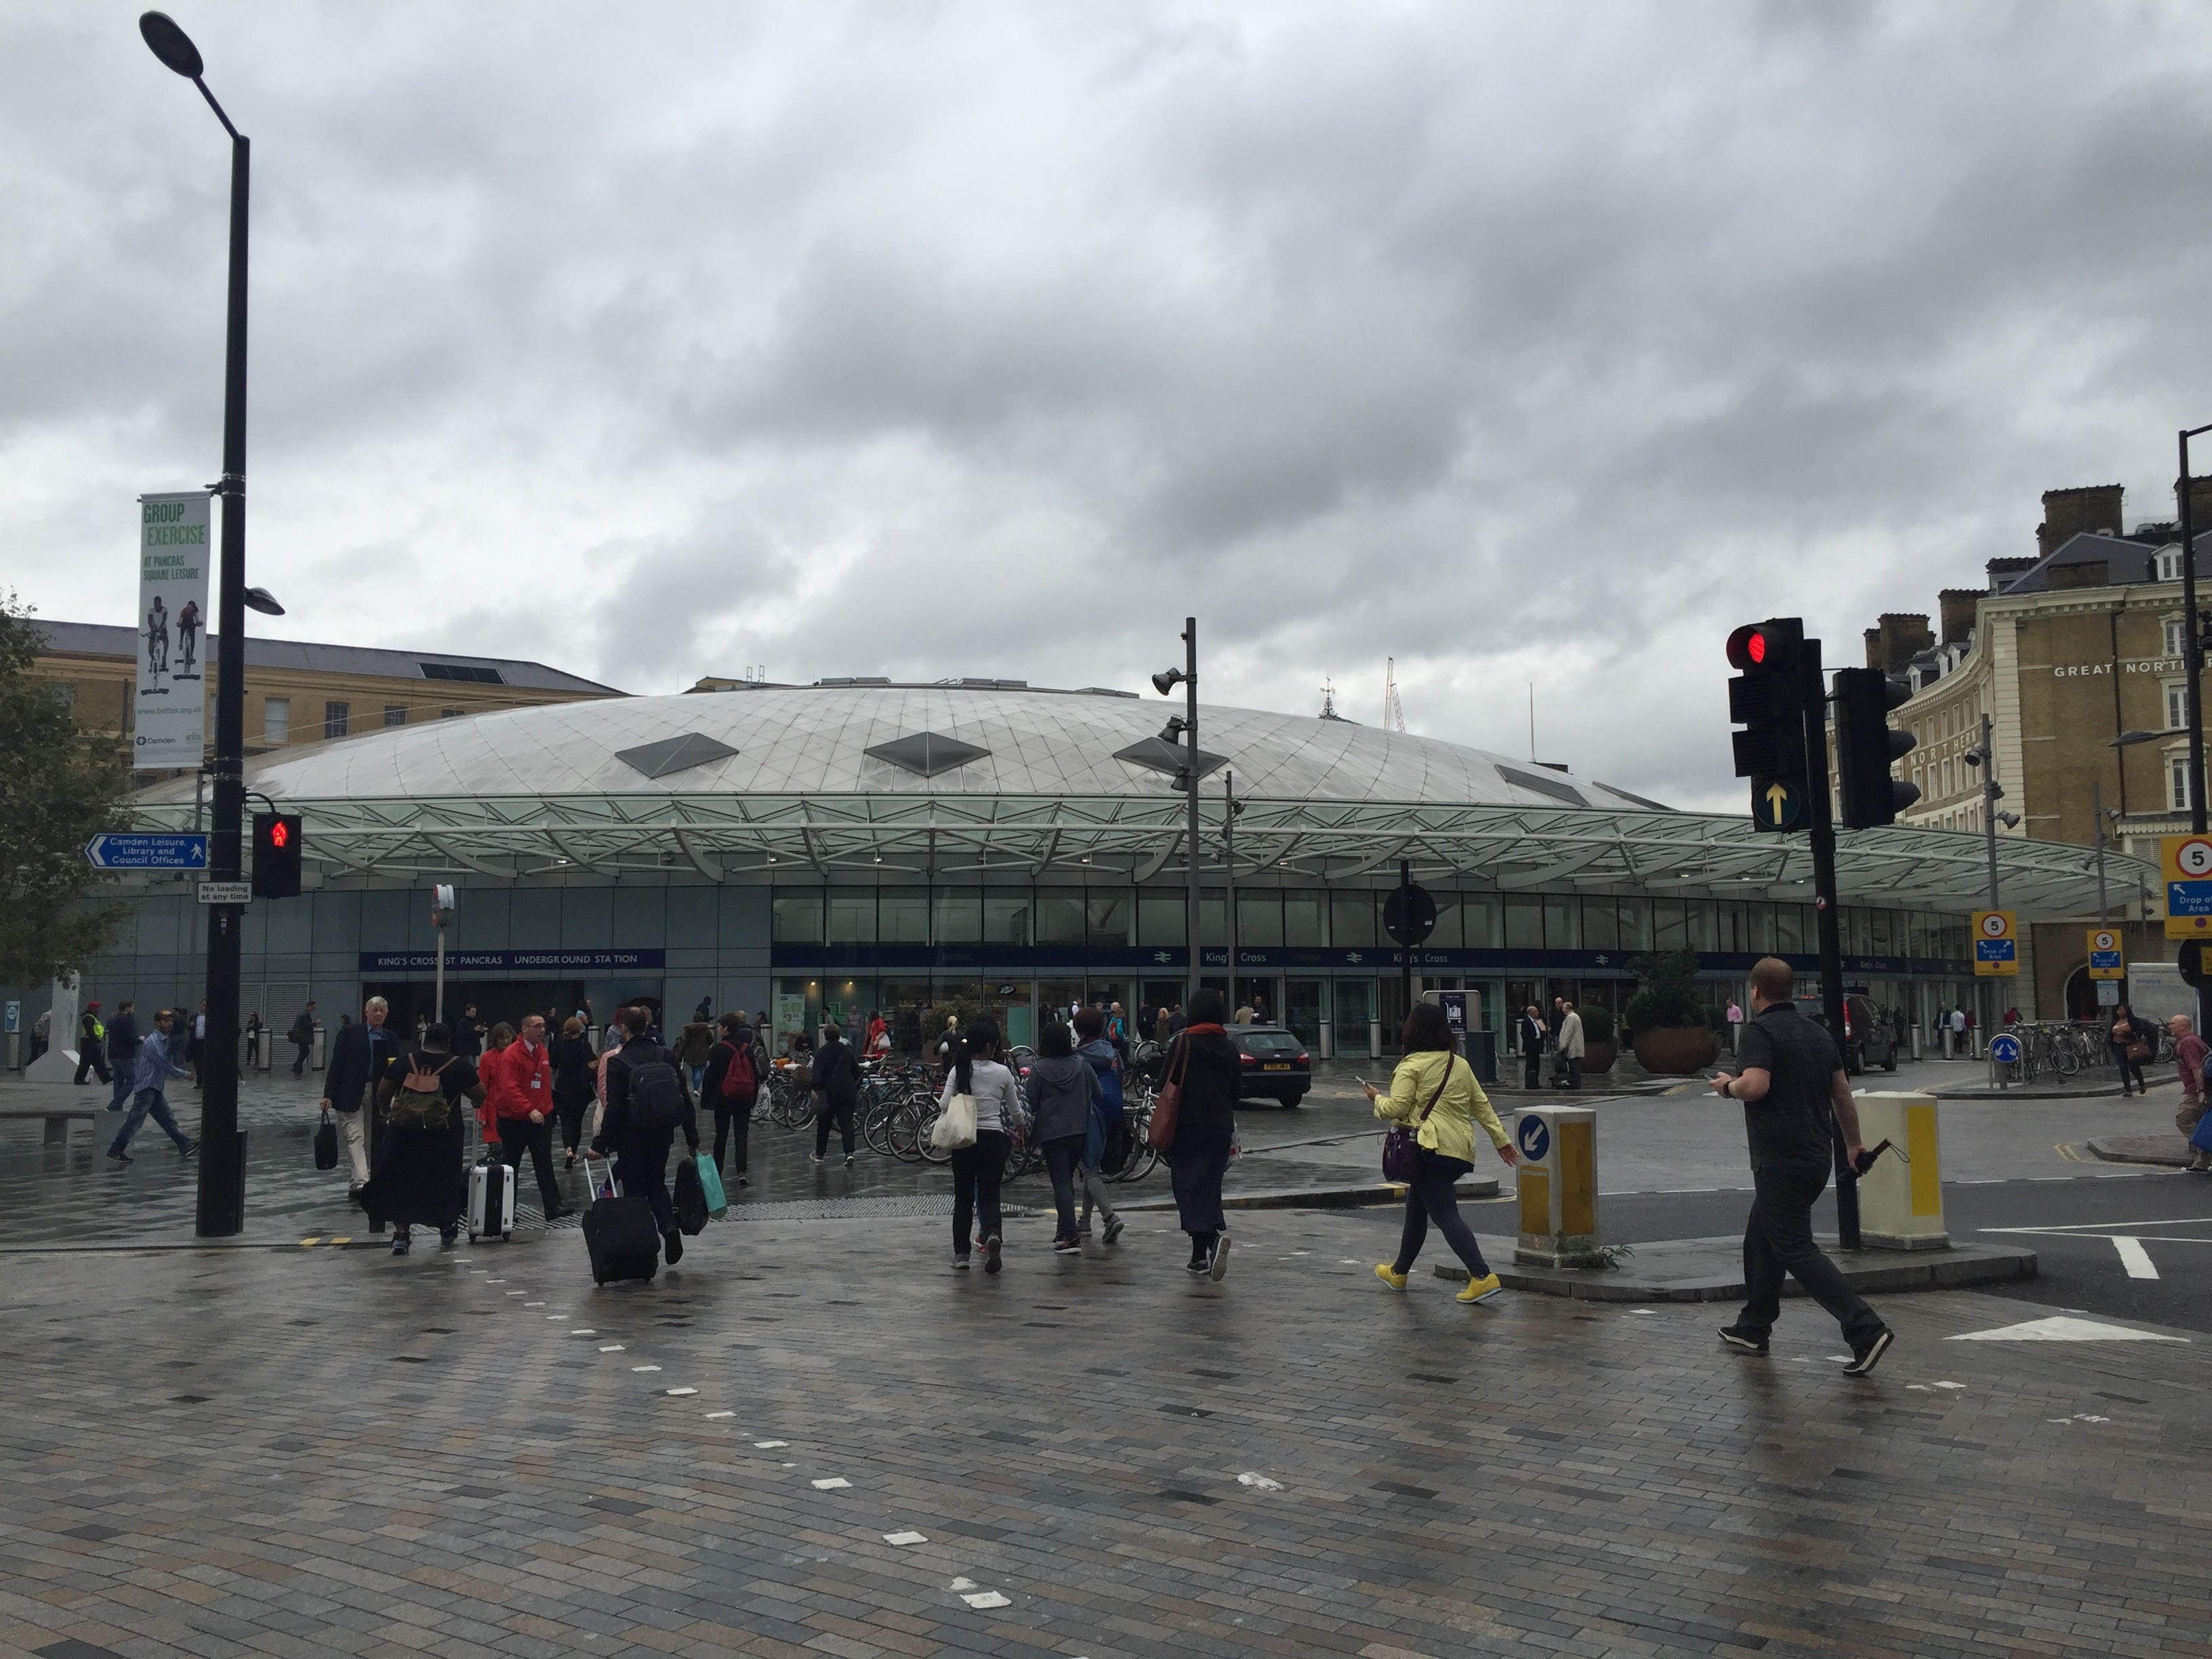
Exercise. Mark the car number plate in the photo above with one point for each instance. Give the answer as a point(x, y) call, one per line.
point(1275, 1065)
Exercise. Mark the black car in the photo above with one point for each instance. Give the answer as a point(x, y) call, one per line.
point(1276, 1064)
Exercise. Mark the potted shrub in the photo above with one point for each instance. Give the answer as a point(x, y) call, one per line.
point(1598, 1049)
point(1672, 1024)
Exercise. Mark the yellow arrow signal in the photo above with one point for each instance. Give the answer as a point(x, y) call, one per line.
point(1777, 797)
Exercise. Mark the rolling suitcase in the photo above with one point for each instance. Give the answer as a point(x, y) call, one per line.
point(620, 1232)
point(491, 1198)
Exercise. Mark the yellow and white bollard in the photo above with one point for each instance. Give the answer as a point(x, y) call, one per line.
point(1901, 1198)
point(1559, 1186)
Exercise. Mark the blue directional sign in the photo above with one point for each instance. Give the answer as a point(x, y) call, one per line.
point(147, 851)
point(1535, 1138)
point(2005, 1050)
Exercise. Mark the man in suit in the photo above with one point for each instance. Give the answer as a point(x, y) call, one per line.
point(123, 1042)
point(358, 1061)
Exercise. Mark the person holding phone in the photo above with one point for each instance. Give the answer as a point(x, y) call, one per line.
point(1435, 1091)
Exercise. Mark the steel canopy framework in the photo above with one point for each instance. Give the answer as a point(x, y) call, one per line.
point(759, 839)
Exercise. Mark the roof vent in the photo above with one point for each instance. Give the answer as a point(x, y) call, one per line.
point(1542, 786)
point(855, 679)
point(658, 760)
point(1615, 789)
point(1154, 755)
point(971, 683)
point(926, 754)
point(1103, 691)
point(475, 673)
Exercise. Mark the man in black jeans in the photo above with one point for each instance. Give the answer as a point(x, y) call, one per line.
point(837, 1092)
point(646, 1086)
point(1792, 1078)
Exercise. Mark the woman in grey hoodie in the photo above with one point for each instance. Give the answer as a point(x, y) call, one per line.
point(1060, 1087)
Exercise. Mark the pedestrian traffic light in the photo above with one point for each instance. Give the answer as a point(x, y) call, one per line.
point(1768, 700)
point(1868, 745)
point(2190, 960)
point(277, 855)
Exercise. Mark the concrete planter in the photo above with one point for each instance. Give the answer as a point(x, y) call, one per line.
point(1676, 1051)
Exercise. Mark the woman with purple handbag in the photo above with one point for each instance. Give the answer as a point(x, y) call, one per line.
point(1434, 1105)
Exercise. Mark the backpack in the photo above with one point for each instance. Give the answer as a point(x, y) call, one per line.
point(656, 1095)
point(421, 1103)
point(740, 1082)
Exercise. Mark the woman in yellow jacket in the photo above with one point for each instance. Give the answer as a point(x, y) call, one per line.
point(1433, 1072)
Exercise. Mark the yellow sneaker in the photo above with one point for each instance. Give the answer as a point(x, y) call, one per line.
point(1481, 1290)
point(1394, 1279)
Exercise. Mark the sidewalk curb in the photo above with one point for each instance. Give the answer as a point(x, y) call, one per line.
point(2169, 1152)
point(1702, 1272)
point(1318, 1198)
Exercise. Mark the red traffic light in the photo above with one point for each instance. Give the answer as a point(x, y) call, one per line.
point(1772, 645)
point(280, 834)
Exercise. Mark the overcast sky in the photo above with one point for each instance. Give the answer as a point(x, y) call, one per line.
point(1519, 342)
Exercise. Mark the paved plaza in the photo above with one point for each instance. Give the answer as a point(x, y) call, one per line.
point(812, 1437)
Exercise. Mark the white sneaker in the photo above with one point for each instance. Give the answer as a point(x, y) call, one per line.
point(960, 1263)
point(1219, 1265)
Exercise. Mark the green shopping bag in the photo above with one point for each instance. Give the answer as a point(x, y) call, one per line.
point(710, 1184)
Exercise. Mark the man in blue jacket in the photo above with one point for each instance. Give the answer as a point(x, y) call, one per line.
point(154, 1069)
point(358, 1059)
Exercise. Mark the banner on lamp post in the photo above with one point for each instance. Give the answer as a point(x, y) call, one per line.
point(169, 716)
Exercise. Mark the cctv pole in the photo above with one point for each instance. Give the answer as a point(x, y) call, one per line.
point(1190, 741)
point(1229, 862)
point(2097, 805)
point(2192, 642)
point(1813, 692)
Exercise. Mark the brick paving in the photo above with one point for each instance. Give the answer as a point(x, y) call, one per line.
point(319, 1451)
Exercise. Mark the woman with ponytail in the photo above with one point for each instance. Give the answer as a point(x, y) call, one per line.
point(1207, 1064)
point(977, 1170)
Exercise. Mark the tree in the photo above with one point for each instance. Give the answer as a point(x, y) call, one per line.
point(58, 789)
point(1668, 998)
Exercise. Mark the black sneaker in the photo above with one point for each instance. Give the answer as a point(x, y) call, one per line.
point(118, 1154)
point(1866, 1358)
point(849, 1160)
point(399, 1243)
point(1113, 1229)
point(991, 1253)
point(448, 1236)
point(1199, 1263)
point(672, 1248)
point(1743, 1342)
point(188, 1149)
point(1217, 1263)
point(1062, 1246)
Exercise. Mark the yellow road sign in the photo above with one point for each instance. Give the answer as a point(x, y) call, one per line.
point(1996, 949)
point(2107, 959)
point(2187, 864)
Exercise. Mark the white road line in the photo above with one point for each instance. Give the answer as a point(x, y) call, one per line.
point(2136, 1259)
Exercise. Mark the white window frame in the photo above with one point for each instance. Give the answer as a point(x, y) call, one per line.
point(2176, 773)
point(2173, 642)
point(2169, 564)
point(2177, 705)
point(275, 721)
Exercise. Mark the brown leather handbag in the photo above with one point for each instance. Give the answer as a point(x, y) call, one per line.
point(1159, 1129)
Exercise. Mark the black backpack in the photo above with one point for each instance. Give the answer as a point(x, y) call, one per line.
point(656, 1094)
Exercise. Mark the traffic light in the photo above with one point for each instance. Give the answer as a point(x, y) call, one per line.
point(277, 855)
point(1767, 698)
point(1867, 746)
point(2190, 960)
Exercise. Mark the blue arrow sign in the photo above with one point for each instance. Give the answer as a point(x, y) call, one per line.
point(2005, 1050)
point(147, 852)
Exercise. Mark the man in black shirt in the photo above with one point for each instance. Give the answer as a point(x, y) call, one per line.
point(1792, 1078)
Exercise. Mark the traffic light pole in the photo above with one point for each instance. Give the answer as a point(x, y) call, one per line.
point(1828, 920)
point(1191, 875)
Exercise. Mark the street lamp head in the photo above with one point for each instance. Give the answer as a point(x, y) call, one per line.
point(1173, 731)
point(170, 44)
point(2010, 820)
point(259, 599)
point(1167, 679)
point(2125, 739)
point(1972, 756)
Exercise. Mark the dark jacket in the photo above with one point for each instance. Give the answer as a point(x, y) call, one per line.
point(1212, 1077)
point(837, 1073)
point(123, 1040)
point(303, 1029)
point(614, 1128)
point(572, 1065)
point(351, 1070)
point(718, 1061)
point(468, 1037)
point(1059, 1089)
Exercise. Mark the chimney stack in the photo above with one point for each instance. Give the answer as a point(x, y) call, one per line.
point(1902, 636)
point(1958, 607)
point(2068, 512)
point(2003, 571)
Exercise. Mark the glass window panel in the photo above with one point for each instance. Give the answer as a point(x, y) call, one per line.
point(1005, 917)
point(1162, 918)
point(1670, 924)
point(1058, 915)
point(1885, 937)
point(1109, 916)
point(1635, 924)
point(1704, 925)
point(853, 918)
point(1259, 919)
point(1482, 921)
point(902, 916)
point(1790, 929)
point(1524, 922)
point(1601, 923)
point(795, 918)
point(1213, 916)
point(1763, 937)
point(1563, 922)
point(1857, 928)
point(959, 917)
point(1304, 922)
point(1352, 919)
point(1446, 935)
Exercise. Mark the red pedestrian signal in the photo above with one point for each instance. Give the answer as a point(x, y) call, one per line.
point(277, 855)
point(280, 834)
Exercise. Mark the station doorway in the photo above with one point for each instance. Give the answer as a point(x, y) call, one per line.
point(496, 1001)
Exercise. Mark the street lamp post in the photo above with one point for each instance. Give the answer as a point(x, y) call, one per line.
point(1185, 726)
point(2192, 649)
point(221, 1206)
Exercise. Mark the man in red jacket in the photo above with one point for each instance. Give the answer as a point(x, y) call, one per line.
point(518, 1090)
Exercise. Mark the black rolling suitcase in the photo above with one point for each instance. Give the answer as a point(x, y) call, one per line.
point(619, 1232)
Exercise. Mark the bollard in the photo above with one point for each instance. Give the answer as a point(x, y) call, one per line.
point(1901, 1198)
point(1558, 1187)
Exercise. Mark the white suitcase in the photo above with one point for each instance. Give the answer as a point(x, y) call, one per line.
point(491, 1198)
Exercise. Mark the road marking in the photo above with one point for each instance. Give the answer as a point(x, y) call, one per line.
point(901, 1540)
point(679, 1393)
point(713, 1416)
point(769, 1445)
point(2068, 1152)
point(833, 1484)
point(610, 1347)
point(2062, 1330)
point(2136, 1259)
point(645, 1368)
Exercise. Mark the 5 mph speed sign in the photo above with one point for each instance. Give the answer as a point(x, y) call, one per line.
point(2187, 862)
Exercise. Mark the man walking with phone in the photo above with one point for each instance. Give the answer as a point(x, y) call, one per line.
point(1792, 1080)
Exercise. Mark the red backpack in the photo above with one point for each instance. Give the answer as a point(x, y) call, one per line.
point(740, 1082)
